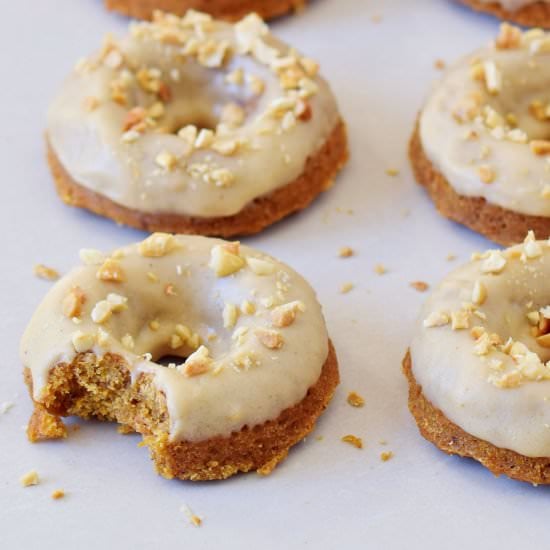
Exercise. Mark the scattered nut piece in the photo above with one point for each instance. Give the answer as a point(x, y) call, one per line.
point(271, 339)
point(83, 341)
point(44, 272)
point(380, 269)
point(197, 363)
point(353, 440)
point(346, 287)
point(355, 400)
point(29, 479)
point(157, 245)
point(386, 455)
point(261, 267)
point(345, 252)
point(57, 494)
point(224, 261)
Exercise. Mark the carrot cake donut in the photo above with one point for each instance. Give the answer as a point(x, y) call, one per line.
point(230, 10)
point(479, 363)
point(192, 125)
point(250, 364)
point(531, 13)
point(481, 146)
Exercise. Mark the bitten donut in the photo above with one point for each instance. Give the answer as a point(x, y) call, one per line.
point(531, 13)
point(249, 364)
point(479, 363)
point(481, 147)
point(230, 10)
point(191, 125)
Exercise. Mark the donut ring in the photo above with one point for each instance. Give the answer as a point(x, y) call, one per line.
point(533, 14)
point(251, 366)
point(195, 126)
point(230, 10)
point(480, 169)
point(488, 398)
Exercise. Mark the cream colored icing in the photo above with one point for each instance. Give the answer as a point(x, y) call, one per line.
point(519, 178)
point(498, 393)
point(514, 5)
point(246, 382)
point(273, 148)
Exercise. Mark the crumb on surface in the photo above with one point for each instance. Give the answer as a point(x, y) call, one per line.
point(439, 64)
point(376, 18)
point(355, 400)
point(29, 479)
point(386, 455)
point(345, 252)
point(57, 494)
point(194, 520)
point(392, 172)
point(357, 442)
point(421, 286)
point(346, 287)
point(380, 269)
point(44, 272)
point(451, 257)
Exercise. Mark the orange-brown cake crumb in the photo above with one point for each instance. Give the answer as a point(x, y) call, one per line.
point(421, 286)
point(44, 425)
point(386, 455)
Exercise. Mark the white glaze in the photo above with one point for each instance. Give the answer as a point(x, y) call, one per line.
point(226, 397)
point(521, 177)
point(461, 383)
point(89, 145)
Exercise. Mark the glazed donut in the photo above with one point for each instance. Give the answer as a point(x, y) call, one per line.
point(230, 10)
point(482, 143)
point(478, 366)
point(531, 13)
point(191, 125)
point(250, 364)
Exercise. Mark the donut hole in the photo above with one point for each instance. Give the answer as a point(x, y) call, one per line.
point(170, 359)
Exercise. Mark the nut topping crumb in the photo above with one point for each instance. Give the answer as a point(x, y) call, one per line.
point(157, 245)
point(345, 252)
point(225, 260)
point(357, 442)
point(271, 339)
point(285, 315)
point(29, 479)
point(355, 400)
point(73, 302)
point(111, 271)
point(44, 272)
point(58, 494)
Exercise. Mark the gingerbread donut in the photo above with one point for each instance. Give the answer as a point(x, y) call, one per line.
point(481, 147)
point(250, 366)
point(479, 362)
point(230, 10)
point(531, 13)
point(192, 125)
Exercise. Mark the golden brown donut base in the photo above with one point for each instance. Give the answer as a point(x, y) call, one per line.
point(101, 388)
point(534, 15)
point(318, 176)
point(230, 10)
point(447, 436)
point(503, 226)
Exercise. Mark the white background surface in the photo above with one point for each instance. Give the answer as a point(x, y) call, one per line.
point(327, 494)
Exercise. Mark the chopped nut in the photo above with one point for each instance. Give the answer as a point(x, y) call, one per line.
point(380, 269)
point(230, 315)
point(224, 262)
point(460, 320)
point(166, 160)
point(102, 312)
point(111, 271)
point(494, 263)
point(248, 308)
point(439, 64)
point(30, 478)
point(57, 494)
point(386, 455)
point(157, 245)
point(345, 252)
point(271, 339)
point(285, 315)
point(83, 341)
point(346, 287)
point(73, 302)
point(508, 38)
point(493, 77)
point(479, 293)
point(260, 267)
point(486, 174)
point(44, 272)
point(355, 400)
point(357, 442)
point(436, 319)
point(197, 363)
point(128, 341)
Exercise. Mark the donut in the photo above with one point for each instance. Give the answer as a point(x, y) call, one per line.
point(230, 10)
point(481, 146)
point(479, 363)
point(531, 13)
point(192, 125)
point(216, 353)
